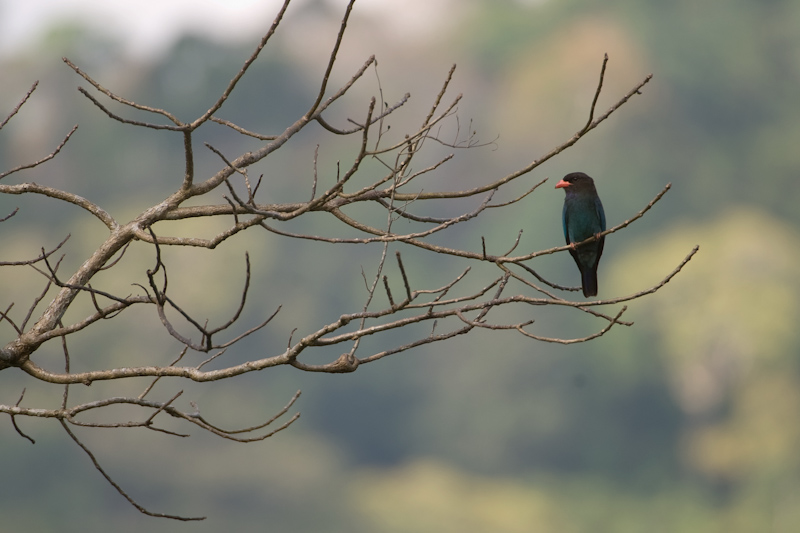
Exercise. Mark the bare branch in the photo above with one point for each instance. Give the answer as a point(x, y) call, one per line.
point(119, 489)
point(241, 130)
point(51, 275)
point(14, 420)
point(383, 174)
point(331, 60)
point(122, 100)
point(11, 189)
point(19, 105)
point(44, 255)
point(25, 188)
point(388, 111)
point(574, 341)
point(123, 120)
point(538, 162)
point(229, 89)
point(596, 93)
point(11, 214)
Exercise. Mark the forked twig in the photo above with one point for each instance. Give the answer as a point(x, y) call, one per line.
point(119, 489)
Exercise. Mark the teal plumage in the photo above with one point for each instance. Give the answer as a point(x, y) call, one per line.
point(583, 217)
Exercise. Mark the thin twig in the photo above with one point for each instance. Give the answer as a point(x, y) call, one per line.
point(51, 155)
point(119, 489)
point(20, 104)
point(596, 93)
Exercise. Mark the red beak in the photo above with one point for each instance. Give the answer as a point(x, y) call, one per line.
point(562, 184)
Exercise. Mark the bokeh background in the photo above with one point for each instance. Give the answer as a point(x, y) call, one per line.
point(688, 421)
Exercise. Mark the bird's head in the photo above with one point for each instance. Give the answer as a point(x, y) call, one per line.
point(576, 181)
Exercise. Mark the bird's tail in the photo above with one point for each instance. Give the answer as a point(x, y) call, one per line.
point(589, 282)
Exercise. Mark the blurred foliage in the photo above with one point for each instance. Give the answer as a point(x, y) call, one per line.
point(688, 421)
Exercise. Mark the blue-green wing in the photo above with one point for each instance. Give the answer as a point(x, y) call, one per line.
point(601, 215)
point(565, 222)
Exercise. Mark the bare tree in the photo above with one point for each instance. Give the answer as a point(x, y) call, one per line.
point(448, 310)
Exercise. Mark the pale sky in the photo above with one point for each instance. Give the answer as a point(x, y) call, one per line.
point(149, 26)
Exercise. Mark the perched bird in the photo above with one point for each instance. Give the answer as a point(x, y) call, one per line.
point(583, 217)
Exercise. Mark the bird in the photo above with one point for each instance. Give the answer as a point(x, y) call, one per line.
point(583, 217)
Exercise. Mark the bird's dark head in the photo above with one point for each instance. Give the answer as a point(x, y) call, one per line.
point(576, 181)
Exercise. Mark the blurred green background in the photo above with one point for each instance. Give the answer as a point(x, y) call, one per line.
point(688, 421)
